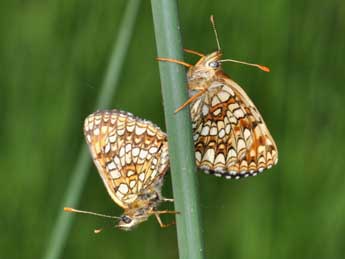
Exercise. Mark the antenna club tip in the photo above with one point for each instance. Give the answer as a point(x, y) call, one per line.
point(212, 18)
point(67, 209)
point(264, 68)
point(98, 230)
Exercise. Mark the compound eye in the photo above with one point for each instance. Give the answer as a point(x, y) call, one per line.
point(126, 219)
point(213, 64)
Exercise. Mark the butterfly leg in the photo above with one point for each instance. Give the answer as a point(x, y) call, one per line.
point(194, 52)
point(180, 61)
point(174, 61)
point(166, 212)
point(161, 224)
point(190, 100)
point(167, 199)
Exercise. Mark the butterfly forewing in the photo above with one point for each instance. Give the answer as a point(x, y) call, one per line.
point(231, 138)
point(130, 154)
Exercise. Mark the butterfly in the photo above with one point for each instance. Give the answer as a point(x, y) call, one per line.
point(131, 156)
point(230, 136)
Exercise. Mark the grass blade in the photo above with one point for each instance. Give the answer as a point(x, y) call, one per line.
point(109, 86)
point(181, 146)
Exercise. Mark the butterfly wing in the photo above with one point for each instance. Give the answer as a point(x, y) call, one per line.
point(131, 154)
point(231, 138)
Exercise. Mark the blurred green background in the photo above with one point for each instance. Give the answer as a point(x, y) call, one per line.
point(53, 57)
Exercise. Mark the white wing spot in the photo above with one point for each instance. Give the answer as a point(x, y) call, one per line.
point(204, 110)
point(135, 151)
point(220, 159)
point(217, 112)
point(153, 175)
point(261, 149)
point(220, 125)
point(231, 154)
point(229, 90)
point(150, 132)
point(130, 173)
point(111, 166)
point(115, 174)
point(139, 130)
point(227, 129)
point(233, 106)
point(238, 113)
point(130, 128)
point(143, 154)
point(112, 138)
point(117, 161)
point(153, 150)
point(221, 133)
point(122, 152)
point(215, 101)
point(120, 132)
point(213, 131)
point(107, 148)
point(128, 147)
point(233, 119)
point(241, 144)
point(119, 195)
point(142, 176)
point(132, 183)
point(154, 161)
point(209, 155)
point(205, 131)
point(197, 156)
point(123, 188)
point(96, 132)
point(246, 133)
point(223, 96)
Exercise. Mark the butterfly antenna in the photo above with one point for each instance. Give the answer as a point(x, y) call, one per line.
point(215, 31)
point(261, 67)
point(67, 209)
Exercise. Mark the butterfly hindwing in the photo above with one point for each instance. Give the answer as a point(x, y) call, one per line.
point(231, 139)
point(131, 154)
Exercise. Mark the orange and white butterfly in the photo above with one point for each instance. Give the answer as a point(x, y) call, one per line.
point(131, 156)
point(230, 136)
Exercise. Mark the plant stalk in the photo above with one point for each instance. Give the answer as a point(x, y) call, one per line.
point(181, 145)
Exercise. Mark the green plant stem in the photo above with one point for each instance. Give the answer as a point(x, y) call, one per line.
point(77, 182)
point(181, 146)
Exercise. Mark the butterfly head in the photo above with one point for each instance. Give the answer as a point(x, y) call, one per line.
point(141, 210)
point(129, 221)
point(206, 68)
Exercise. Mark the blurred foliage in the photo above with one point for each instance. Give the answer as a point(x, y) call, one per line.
point(53, 56)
